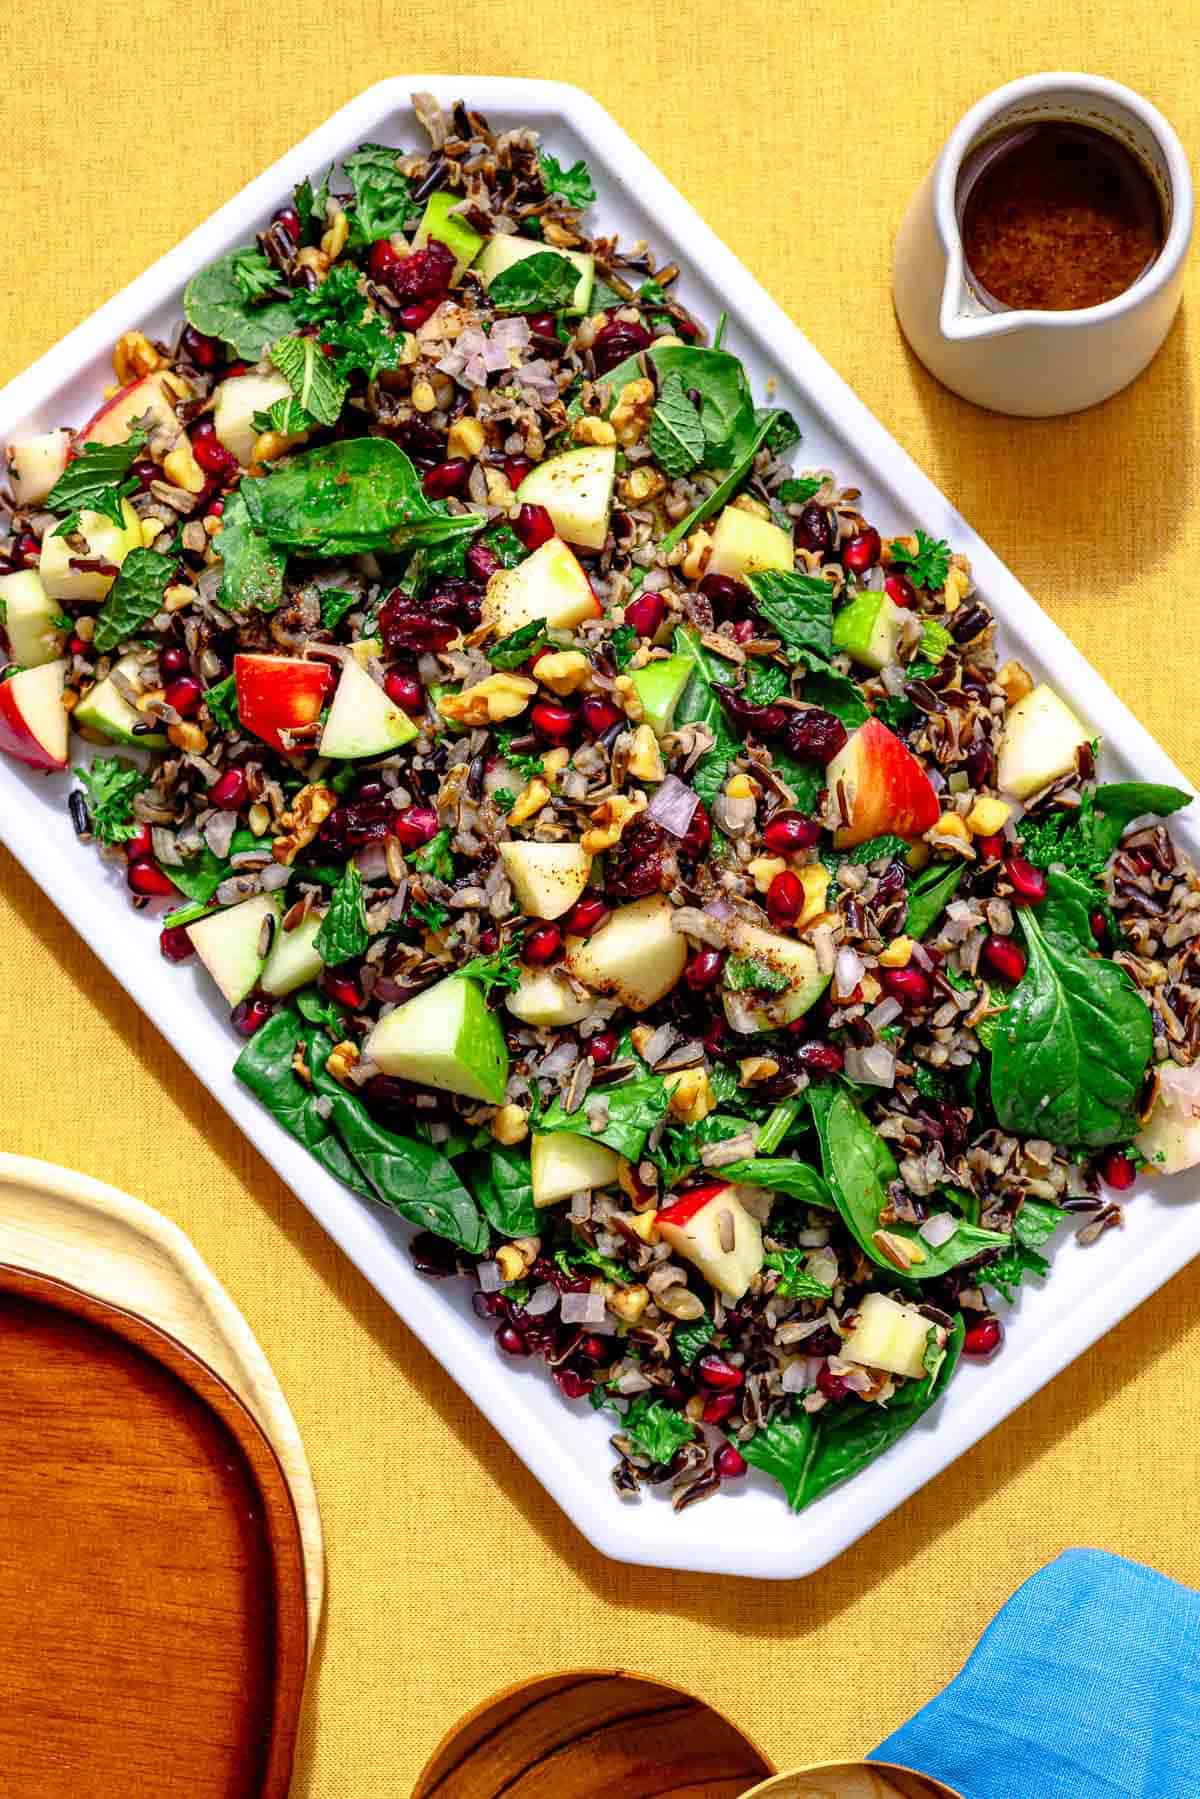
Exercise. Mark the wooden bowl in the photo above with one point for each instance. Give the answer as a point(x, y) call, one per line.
point(853, 1780)
point(593, 1731)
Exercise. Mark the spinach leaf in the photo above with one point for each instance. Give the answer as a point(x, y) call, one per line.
point(795, 1281)
point(633, 1111)
point(724, 491)
point(779, 1122)
point(798, 492)
point(858, 1165)
point(1116, 805)
point(251, 571)
point(574, 185)
point(799, 607)
point(343, 499)
point(312, 1005)
point(929, 896)
point(96, 481)
point(200, 875)
point(700, 705)
point(783, 432)
point(382, 197)
point(134, 598)
point(310, 203)
point(505, 1191)
point(691, 1340)
point(726, 406)
point(542, 283)
point(1037, 1222)
point(1065, 915)
point(111, 784)
point(315, 383)
point(876, 848)
point(810, 1452)
point(1071, 1048)
point(213, 302)
point(928, 566)
point(265, 1066)
point(676, 433)
point(336, 602)
point(221, 700)
point(519, 645)
point(343, 935)
point(785, 1175)
point(764, 682)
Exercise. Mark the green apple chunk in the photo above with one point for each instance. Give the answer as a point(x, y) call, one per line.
point(1041, 736)
point(550, 584)
point(450, 228)
point(722, 1239)
point(106, 710)
point(658, 686)
point(230, 943)
point(294, 960)
point(544, 999)
point(562, 1163)
point(888, 1335)
point(869, 630)
point(362, 720)
point(234, 405)
point(444, 1038)
point(635, 955)
point(743, 543)
point(576, 490)
point(1170, 1137)
point(547, 878)
point(786, 956)
point(28, 614)
point(502, 252)
point(107, 543)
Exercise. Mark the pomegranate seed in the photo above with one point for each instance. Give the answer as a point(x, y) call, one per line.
point(446, 478)
point(716, 1372)
point(533, 526)
point(1117, 1170)
point(515, 470)
point(212, 455)
point(1002, 957)
point(617, 340)
point(202, 350)
point(593, 1349)
point(862, 552)
point(482, 562)
point(216, 509)
point(250, 1015)
point(703, 969)
point(510, 1340)
point(543, 324)
point(404, 691)
point(698, 835)
point(289, 218)
point(488, 939)
point(598, 715)
point(414, 316)
point(382, 259)
point(785, 897)
point(813, 531)
point(415, 825)
point(729, 1463)
point(140, 845)
point(78, 647)
point(230, 792)
point(646, 613)
point(175, 944)
point(908, 985)
point(833, 1386)
point(602, 1048)
point(1140, 861)
point(542, 946)
point(28, 550)
point(553, 722)
point(714, 1037)
point(990, 848)
point(1029, 883)
point(184, 694)
point(742, 630)
point(900, 590)
point(172, 661)
point(588, 912)
point(726, 596)
point(788, 831)
point(1099, 926)
point(342, 990)
point(983, 1339)
point(148, 878)
point(145, 471)
point(819, 1057)
point(572, 1385)
point(719, 1407)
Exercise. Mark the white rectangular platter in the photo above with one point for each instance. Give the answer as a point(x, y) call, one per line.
point(746, 1530)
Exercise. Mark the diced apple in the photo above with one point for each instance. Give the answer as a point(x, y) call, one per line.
point(564, 1162)
point(786, 956)
point(234, 405)
point(743, 543)
point(576, 490)
point(550, 584)
point(33, 719)
point(294, 960)
point(28, 614)
point(890, 1336)
point(449, 227)
point(1170, 1138)
point(229, 943)
point(150, 402)
point(106, 542)
point(1041, 736)
point(445, 1038)
point(505, 249)
point(279, 693)
point(635, 955)
point(547, 878)
point(34, 465)
point(105, 709)
point(711, 1229)
point(544, 999)
point(362, 720)
point(659, 686)
point(869, 630)
point(880, 786)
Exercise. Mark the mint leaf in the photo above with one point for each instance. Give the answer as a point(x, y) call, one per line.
point(691, 1340)
point(876, 848)
point(95, 481)
point(343, 935)
point(111, 784)
point(798, 607)
point(545, 282)
point(213, 302)
point(800, 491)
point(315, 383)
point(134, 598)
point(783, 433)
point(676, 432)
point(519, 645)
point(795, 1282)
point(221, 701)
point(309, 202)
point(336, 602)
point(764, 682)
point(574, 185)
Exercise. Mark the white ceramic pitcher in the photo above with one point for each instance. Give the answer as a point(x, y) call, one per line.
point(1037, 363)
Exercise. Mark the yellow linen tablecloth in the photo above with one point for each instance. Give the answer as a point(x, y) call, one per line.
point(799, 132)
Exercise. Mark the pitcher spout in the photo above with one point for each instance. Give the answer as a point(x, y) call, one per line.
point(964, 318)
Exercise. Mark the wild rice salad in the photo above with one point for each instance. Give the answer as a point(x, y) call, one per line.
point(618, 856)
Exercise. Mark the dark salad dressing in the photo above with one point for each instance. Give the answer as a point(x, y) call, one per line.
point(1058, 217)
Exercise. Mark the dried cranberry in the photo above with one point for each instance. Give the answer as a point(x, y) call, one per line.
point(382, 259)
point(353, 825)
point(813, 531)
point(862, 552)
point(1028, 883)
point(639, 865)
point(788, 831)
point(202, 350)
point(147, 878)
point(1117, 1170)
point(425, 275)
point(412, 317)
point(404, 691)
point(250, 1015)
point(764, 721)
point(446, 478)
point(908, 985)
point(814, 735)
point(698, 836)
point(727, 597)
point(415, 825)
point(1002, 957)
point(833, 1386)
point(585, 916)
point(542, 946)
point(715, 1037)
point(899, 589)
point(411, 627)
point(552, 721)
point(419, 439)
point(716, 1372)
point(602, 1048)
point(185, 694)
point(515, 470)
point(703, 969)
point(819, 1057)
point(983, 1339)
point(730, 1463)
point(175, 944)
point(646, 613)
point(981, 764)
point(533, 526)
point(288, 219)
point(617, 340)
point(599, 715)
point(785, 898)
point(482, 562)
point(229, 792)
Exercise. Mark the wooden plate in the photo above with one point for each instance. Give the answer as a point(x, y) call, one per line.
point(592, 1732)
point(853, 1780)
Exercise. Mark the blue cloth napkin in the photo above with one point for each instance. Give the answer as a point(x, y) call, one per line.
point(1086, 1686)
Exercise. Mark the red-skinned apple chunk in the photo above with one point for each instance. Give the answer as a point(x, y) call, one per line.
point(880, 787)
point(33, 719)
point(114, 422)
point(711, 1228)
point(279, 693)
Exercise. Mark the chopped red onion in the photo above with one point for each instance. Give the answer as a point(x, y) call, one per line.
point(475, 373)
point(490, 1278)
point(496, 356)
point(718, 906)
point(874, 1067)
point(371, 861)
point(938, 1229)
point(795, 1377)
point(513, 333)
point(582, 1308)
point(847, 973)
point(543, 1299)
point(921, 956)
point(273, 876)
point(673, 806)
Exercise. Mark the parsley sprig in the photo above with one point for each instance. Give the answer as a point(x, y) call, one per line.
point(928, 565)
